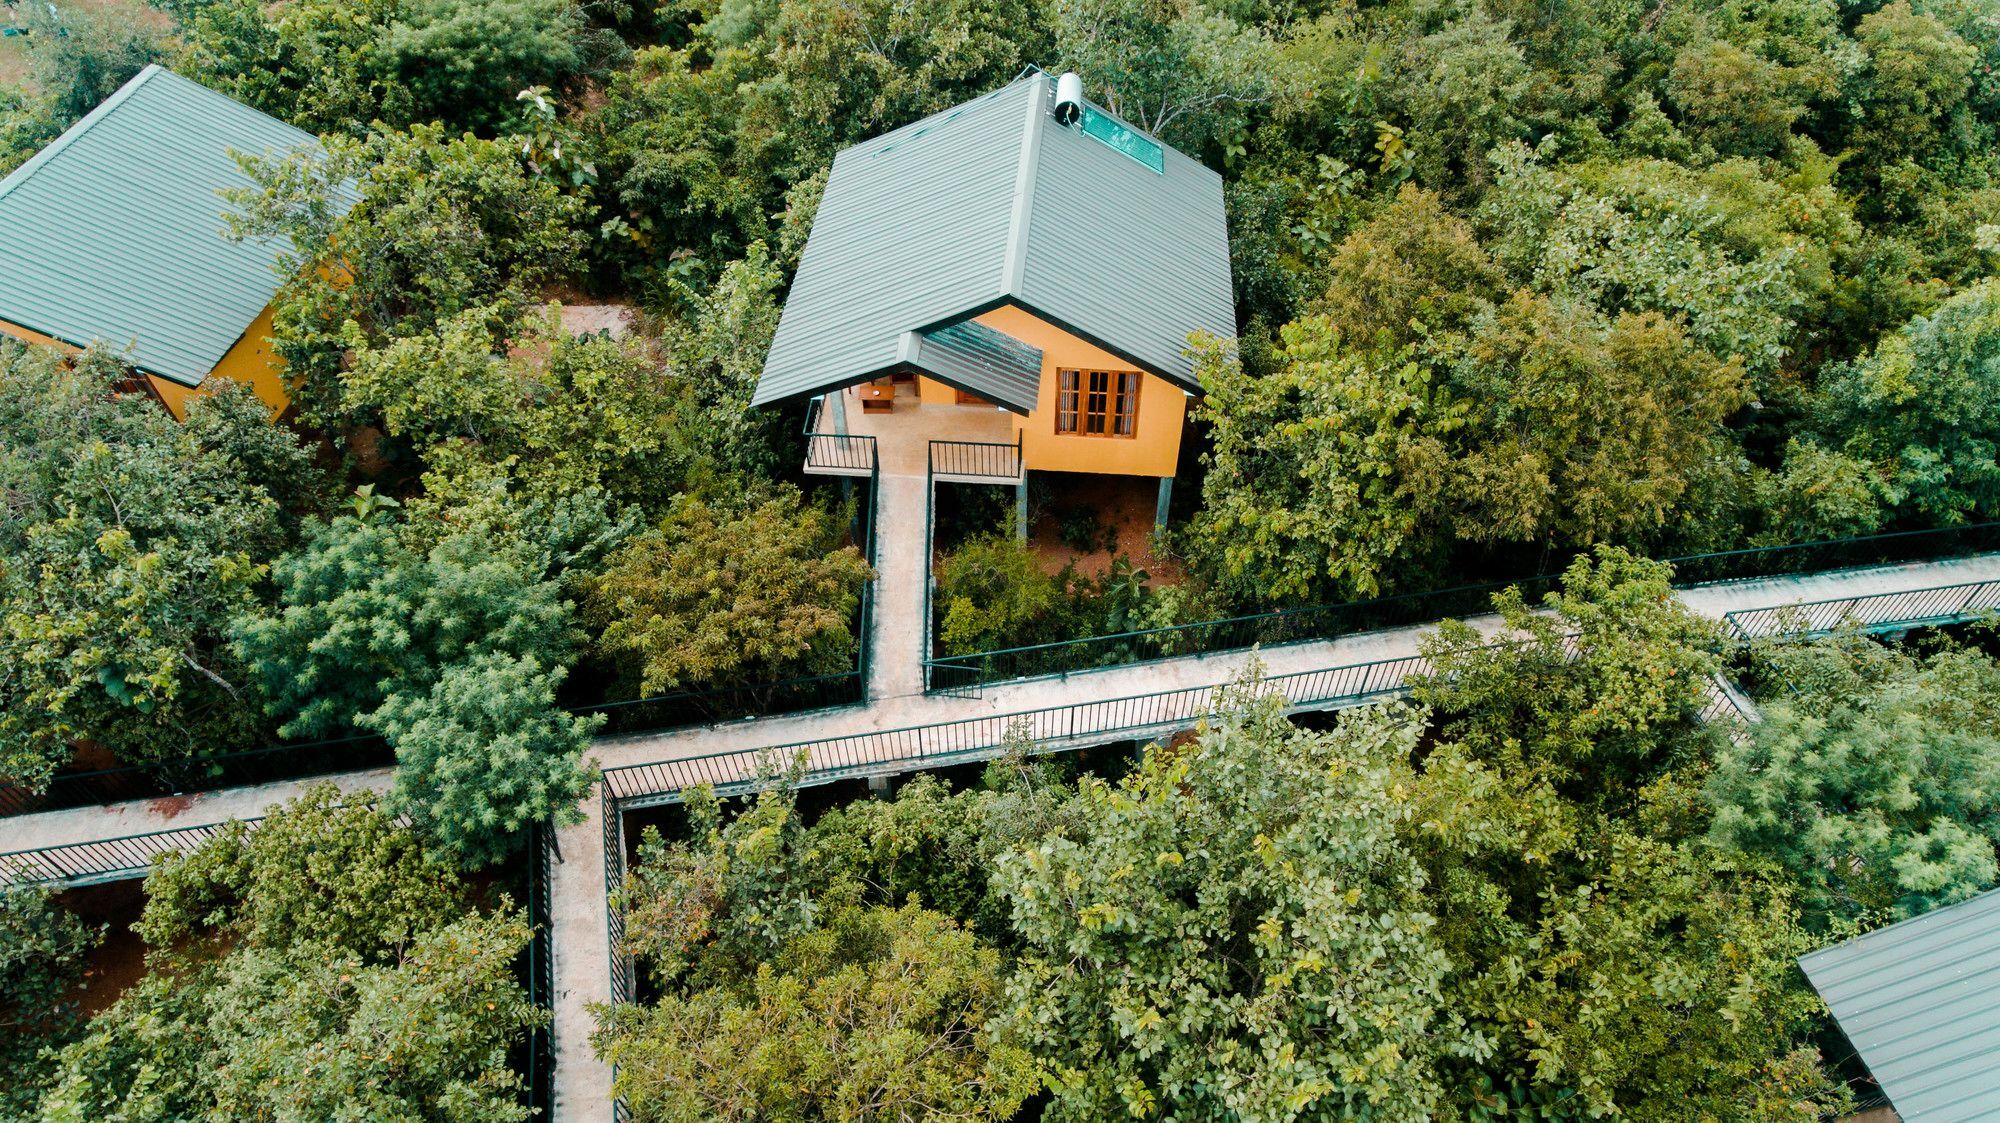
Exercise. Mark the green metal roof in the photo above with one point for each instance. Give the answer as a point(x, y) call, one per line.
point(990, 363)
point(114, 232)
point(1920, 1001)
point(993, 203)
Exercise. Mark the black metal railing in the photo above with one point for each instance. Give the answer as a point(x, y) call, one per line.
point(1837, 553)
point(962, 672)
point(836, 452)
point(539, 1061)
point(975, 460)
point(728, 703)
point(107, 859)
point(1052, 728)
point(224, 770)
point(1909, 608)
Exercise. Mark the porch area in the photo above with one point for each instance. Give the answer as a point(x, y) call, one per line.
point(887, 426)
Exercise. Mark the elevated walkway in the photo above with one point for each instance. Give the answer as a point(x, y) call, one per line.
point(902, 728)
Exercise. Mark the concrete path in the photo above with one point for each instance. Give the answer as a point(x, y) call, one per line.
point(895, 654)
point(581, 946)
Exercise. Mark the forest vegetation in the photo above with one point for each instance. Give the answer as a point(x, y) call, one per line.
point(1517, 283)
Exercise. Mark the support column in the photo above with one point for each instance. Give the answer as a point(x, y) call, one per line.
point(1021, 507)
point(878, 787)
point(1166, 501)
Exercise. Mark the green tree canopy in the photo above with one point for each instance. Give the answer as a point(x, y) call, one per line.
point(1240, 933)
point(317, 965)
point(1877, 785)
point(127, 543)
point(879, 1014)
point(436, 225)
point(1596, 690)
point(755, 584)
point(1921, 408)
point(486, 754)
point(42, 950)
point(363, 614)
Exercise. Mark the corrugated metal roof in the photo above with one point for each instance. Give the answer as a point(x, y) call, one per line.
point(992, 203)
point(1920, 1001)
point(983, 360)
point(114, 232)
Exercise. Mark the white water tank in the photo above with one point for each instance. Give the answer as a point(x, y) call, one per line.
point(1069, 98)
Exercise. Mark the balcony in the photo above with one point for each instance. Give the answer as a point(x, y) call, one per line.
point(951, 443)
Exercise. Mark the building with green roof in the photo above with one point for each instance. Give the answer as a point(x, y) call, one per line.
point(115, 235)
point(1920, 1002)
point(1022, 270)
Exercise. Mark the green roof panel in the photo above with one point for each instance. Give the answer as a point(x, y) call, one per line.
point(1920, 1002)
point(114, 233)
point(987, 362)
point(1096, 228)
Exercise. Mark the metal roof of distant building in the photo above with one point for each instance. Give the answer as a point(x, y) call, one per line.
point(992, 203)
point(1920, 1001)
point(114, 232)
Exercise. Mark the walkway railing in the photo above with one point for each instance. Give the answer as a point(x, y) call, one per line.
point(960, 672)
point(282, 762)
point(1052, 728)
point(1910, 608)
point(957, 673)
point(974, 461)
point(225, 770)
point(110, 859)
point(838, 452)
point(539, 1063)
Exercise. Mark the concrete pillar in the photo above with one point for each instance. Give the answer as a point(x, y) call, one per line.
point(1166, 501)
point(878, 787)
point(1021, 507)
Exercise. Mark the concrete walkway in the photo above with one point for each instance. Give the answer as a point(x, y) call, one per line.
point(895, 653)
point(581, 945)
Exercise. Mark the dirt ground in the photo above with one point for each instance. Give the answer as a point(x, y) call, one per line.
point(1126, 504)
point(120, 960)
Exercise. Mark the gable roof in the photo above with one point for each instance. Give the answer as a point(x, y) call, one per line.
point(992, 203)
point(114, 232)
point(1920, 1001)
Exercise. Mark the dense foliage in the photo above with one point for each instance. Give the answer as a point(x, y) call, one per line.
point(321, 965)
point(1872, 778)
point(1520, 897)
point(127, 542)
point(1515, 282)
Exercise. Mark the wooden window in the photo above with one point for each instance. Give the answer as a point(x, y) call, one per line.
point(1125, 411)
point(1097, 403)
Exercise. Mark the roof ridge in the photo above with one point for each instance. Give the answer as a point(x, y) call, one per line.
point(83, 125)
point(1015, 263)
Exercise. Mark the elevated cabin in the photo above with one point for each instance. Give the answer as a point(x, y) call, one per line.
point(114, 234)
point(1004, 287)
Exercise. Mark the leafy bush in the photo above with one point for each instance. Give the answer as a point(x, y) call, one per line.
point(753, 586)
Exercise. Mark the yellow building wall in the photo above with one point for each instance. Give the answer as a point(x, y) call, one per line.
point(1154, 449)
point(254, 361)
point(251, 361)
point(932, 393)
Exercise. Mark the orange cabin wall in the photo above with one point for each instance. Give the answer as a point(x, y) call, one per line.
point(251, 360)
point(1154, 449)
